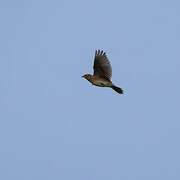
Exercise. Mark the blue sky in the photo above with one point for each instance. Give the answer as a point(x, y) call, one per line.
point(55, 125)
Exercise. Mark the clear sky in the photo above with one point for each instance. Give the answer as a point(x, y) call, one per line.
point(54, 125)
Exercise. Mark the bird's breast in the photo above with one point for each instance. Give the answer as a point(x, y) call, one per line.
point(102, 83)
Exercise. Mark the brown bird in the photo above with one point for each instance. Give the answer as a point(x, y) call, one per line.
point(102, 72)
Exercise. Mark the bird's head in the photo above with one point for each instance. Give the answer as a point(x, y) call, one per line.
point(87, 76)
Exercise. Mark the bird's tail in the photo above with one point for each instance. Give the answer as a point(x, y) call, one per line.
point(117, 89)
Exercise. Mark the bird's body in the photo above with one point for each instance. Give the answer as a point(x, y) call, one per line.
point(98, 81)
point(102, 83)
point(102, 72)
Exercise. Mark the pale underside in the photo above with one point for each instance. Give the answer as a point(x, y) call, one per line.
point(102, 83)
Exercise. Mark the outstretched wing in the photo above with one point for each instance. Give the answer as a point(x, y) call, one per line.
point(102, 66)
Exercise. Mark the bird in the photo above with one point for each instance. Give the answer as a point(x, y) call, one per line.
point(102, 72)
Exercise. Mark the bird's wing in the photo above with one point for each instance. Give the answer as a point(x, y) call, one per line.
point(102, 66)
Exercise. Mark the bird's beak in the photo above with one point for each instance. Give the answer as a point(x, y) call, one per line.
point(82, 76)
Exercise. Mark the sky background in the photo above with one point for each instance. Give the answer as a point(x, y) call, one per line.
point(54, 125)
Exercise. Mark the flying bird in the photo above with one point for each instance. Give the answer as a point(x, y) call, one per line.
point(102, 72)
